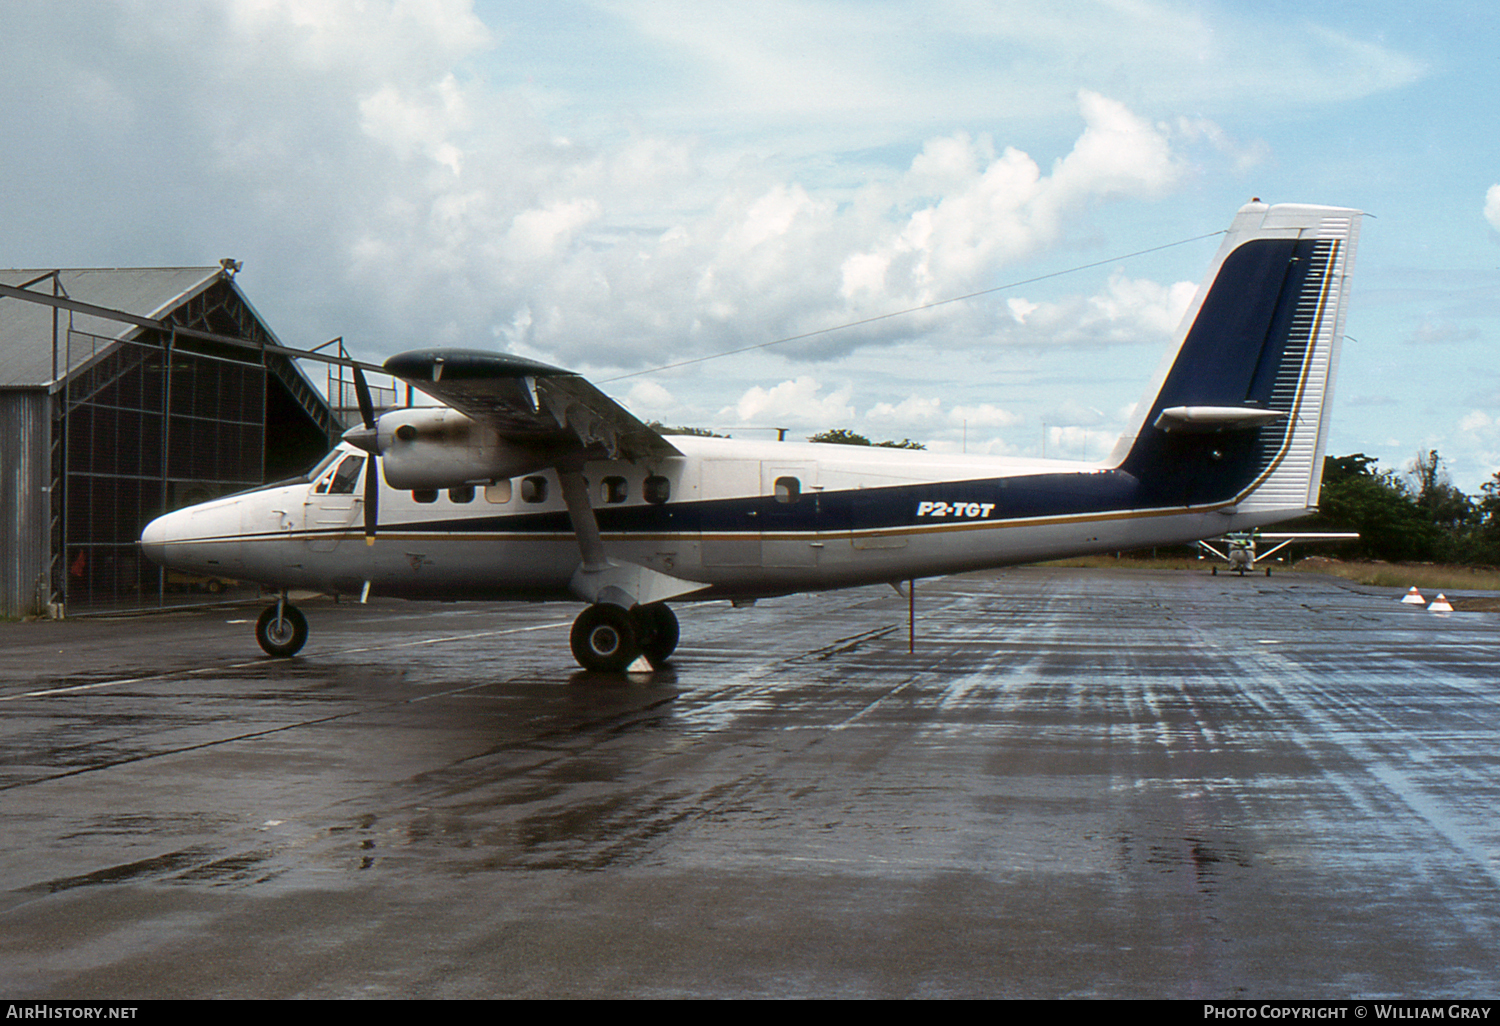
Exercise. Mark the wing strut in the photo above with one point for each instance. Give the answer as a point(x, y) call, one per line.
point(585, 525)
point(600, 579)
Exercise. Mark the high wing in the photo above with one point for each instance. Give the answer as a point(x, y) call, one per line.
point(505, 416)
point(1308, 536)
point(531, 404)
point(1240, 550)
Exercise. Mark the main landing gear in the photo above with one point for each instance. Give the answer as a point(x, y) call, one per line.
point(281, 629)
point(605, 638)
point(609, 638)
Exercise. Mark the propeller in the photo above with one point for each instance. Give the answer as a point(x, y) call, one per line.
point(372, 473)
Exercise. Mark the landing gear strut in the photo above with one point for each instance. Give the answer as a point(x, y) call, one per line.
point(281, 629)
point(609, 638)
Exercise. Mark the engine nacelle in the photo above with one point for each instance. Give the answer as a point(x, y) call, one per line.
point(437, 447)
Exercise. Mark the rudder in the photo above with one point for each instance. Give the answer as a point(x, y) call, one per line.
point(1237, 415)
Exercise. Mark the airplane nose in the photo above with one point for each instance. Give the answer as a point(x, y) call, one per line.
point(154, 539)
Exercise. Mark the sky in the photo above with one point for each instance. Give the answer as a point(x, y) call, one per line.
point(620, 186)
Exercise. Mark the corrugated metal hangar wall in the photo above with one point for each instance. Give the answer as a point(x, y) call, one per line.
point(104, 425)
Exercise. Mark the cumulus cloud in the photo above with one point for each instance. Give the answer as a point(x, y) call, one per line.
point(350, 143)
point(1127, 310)
point(1076, 442)
point(1492, 207)
point(797, 403)
point(917, 409)
point(1472, 450)
point(983, 415)
point(804, 404)
point(1440, 331)
point(650, 396)
point(996, 207)
point(571, 268)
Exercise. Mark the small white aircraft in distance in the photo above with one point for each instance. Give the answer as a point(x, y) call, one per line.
point(1240, 547)
point(531, 484)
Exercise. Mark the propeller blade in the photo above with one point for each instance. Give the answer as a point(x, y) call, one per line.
point(362, 393)
point(372, 499)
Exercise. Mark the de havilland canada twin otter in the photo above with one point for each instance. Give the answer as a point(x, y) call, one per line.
point(529, 483)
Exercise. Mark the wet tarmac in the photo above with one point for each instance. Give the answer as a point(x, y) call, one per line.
point(1083, 784)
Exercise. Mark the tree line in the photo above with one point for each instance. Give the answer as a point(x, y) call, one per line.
point(1419, 516)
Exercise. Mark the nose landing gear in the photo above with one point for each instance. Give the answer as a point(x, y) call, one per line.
point(281, 629)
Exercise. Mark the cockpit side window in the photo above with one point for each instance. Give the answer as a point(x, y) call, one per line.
point(345, 477)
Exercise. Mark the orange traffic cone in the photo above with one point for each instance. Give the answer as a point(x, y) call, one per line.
point(1414, 597)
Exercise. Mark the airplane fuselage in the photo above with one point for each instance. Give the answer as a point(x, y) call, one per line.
point(744, 519)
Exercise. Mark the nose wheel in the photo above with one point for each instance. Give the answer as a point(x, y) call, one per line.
point(281, 629)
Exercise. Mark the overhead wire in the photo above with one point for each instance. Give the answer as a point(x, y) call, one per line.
point(909, 310)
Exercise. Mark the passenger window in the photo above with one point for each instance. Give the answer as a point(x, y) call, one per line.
point(463, 493)
point(613, 489)
point(788, 489)
point(657, 489)
point(425, 495)
point(345, 477)
point(533, 489)
point(497, 492)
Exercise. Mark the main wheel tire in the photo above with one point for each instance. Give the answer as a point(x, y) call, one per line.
point(656, 626)
point(282, 635)
point(604, 639)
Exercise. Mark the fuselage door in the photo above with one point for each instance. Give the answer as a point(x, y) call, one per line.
point(332, 504)
point(789, 529)
point(730, 523)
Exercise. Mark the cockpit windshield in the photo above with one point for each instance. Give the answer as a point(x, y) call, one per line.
point(320, 466)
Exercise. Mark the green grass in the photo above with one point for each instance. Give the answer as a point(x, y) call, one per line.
point(1405, 575)
point(1429, 577)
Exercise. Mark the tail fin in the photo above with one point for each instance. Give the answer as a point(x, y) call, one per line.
point(1237, 416)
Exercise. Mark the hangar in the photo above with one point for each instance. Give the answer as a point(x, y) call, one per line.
point(124, 393)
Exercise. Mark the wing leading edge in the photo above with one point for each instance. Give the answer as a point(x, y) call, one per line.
point(530, 404)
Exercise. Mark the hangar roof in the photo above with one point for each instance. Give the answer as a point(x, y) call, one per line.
point(26, 328)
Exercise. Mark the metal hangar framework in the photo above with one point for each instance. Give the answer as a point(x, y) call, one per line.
point(124, 393)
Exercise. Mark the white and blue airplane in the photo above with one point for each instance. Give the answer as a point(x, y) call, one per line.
point(529, 483)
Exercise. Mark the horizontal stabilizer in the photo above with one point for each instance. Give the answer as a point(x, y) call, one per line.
point(1215, 418)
